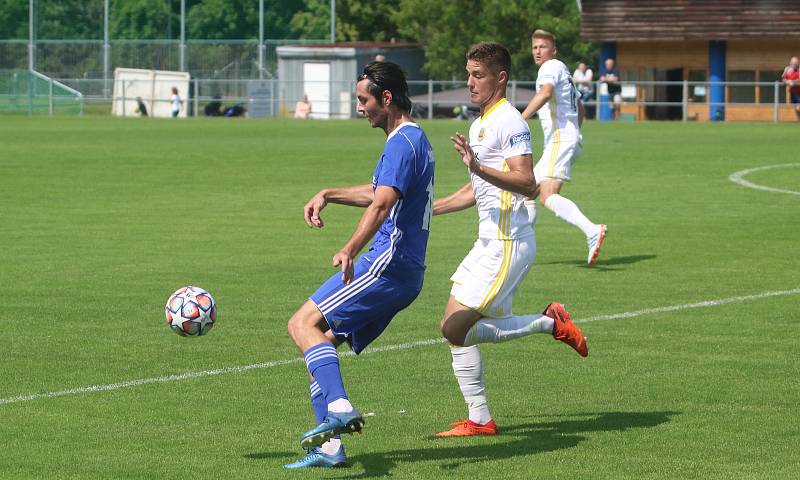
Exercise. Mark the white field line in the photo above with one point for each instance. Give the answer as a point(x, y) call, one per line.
point(738, 178)
point(387, 348)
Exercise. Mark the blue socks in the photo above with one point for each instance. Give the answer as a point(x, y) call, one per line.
point(318, 402)
point(323, 363)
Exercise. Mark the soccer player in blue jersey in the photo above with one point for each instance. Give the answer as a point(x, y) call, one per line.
point(356, 305)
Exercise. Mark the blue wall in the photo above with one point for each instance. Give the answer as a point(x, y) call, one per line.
point(716, 73)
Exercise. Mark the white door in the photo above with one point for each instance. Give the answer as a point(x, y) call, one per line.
point(317, 85)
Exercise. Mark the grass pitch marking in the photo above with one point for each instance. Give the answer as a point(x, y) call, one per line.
point(369, 351)
point(738, 178)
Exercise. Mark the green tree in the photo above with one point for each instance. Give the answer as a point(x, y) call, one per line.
point(13, 19)
point(139, 19)
point(67, 19)
point(447, 28)
point(355, 20)
point(235, 19)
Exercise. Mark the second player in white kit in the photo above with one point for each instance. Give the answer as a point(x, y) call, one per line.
point(561, 114)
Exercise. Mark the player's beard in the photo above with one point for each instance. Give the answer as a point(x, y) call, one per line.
point(378, 120)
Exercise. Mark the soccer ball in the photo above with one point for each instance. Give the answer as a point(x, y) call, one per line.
point(191, 311)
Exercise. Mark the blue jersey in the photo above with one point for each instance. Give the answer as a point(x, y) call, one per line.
point(406, 164)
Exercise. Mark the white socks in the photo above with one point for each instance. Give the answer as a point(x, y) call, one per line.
point(497, 330)
point(468, 367)
point(331, 446)
point(566, 210)
point(341, 405)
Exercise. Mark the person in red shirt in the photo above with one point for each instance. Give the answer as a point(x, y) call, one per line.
point(791, 75)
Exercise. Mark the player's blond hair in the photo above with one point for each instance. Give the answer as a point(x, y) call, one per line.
point(539, 33)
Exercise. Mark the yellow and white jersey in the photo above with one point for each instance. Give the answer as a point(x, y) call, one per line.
point(499, 134)
point(559, 116)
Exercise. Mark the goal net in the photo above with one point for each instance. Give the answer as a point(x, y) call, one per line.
point(29, 92)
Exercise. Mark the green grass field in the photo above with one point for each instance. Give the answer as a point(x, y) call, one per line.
point(101, 219)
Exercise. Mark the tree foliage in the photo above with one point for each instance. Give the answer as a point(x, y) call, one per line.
point(447, 29)
point(139, 19)
point(13, 19)
point(236, 19)
point(355, 20)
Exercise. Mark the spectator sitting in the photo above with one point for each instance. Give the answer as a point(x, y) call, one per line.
point(302, 109)
point(214, 107)
point(141, 108)
point(611, 77)
point(791, 75)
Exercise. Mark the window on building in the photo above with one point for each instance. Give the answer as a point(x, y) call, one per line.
point(766, 92)
point(698, 92)
point(742, 93)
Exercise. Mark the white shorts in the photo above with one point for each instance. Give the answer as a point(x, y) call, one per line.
point(489, 275)
point(556, 161)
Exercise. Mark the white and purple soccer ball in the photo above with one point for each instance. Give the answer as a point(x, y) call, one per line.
point(191, 311)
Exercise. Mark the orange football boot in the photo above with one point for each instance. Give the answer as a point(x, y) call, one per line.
point(468, 428)
point(565, 330)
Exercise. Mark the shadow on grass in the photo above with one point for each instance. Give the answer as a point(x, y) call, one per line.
point(515, 441)
point(602, 263)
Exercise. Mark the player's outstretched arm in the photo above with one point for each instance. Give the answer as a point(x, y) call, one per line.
point(459, 200)
point(542, 96)
point(356, 196)
point(518, 178)
point(384, 199)
point(581, 113)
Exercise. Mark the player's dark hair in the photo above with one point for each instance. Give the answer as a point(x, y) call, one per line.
point(387, 76)
point(493, 55)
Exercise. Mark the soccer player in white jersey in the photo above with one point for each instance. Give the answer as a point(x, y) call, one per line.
point(498, 156)
point(561, 114)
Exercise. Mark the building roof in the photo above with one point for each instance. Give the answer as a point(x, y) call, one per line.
point(676, 20)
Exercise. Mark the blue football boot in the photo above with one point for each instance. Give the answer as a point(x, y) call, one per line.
point(333, 424)
point(315, 458)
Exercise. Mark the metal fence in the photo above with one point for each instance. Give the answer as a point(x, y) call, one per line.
point(644, 100)
point(94, 59)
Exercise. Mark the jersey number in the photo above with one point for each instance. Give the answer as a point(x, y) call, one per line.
point(573, 97)
point(426, 217)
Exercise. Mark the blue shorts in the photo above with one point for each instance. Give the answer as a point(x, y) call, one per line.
point(794, 98)
point(358, 313)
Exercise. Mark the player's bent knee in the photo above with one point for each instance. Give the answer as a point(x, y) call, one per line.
point(452, 333)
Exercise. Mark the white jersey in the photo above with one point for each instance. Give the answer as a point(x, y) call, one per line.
point(499, 134)
point(559, 116)
point(176, 103)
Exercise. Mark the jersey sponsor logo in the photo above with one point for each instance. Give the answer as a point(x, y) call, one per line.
point(520, 138)
point(481, 134)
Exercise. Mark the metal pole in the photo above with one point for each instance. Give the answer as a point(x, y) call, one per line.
point(31, 36)
point(183, 36)
point(514, 93)
point(775, 102)
point(333, 21)
point(261, 39)
point(430, 99)
point(685, 100)
point(50, 97)
point(124, 100)
point(106, 50)
point(196, 98)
